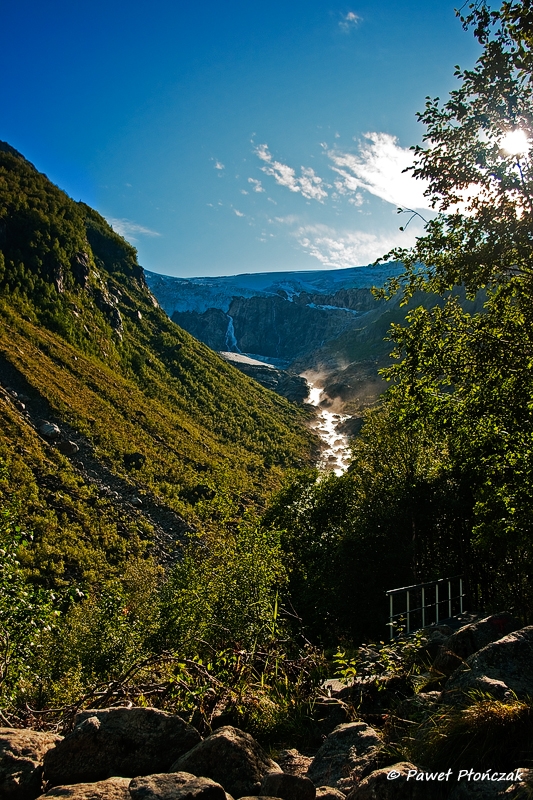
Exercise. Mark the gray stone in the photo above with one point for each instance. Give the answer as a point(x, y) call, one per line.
point(293, 763)
point(329, 793)
point(471, 638)
point(288, 787)
point(21, 755)
point(123, 742)
point(347, 751)
point(49, 430)
point(230, 757)
point(68, 448)
point(487, 790)
point(378, 786)
point(175, 786)
point(508, 661)
point(111, 789)
point(523, 790)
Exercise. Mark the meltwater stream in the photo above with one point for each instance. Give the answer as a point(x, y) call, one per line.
point(335, 456)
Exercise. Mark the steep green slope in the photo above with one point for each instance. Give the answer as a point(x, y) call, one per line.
point(169, 436)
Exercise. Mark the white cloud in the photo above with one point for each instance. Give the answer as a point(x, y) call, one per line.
point(239, 213)
point(219, 165)
point(128, 229)
point(349, 21)
point(336, 249)
point(378, 168)
point(256, 184)
point(310, 185)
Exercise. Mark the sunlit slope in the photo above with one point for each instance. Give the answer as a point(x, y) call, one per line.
point(82, 339)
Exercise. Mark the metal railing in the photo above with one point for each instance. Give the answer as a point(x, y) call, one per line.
point(413, 617)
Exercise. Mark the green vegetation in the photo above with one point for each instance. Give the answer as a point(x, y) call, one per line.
point(156, 417)
point(441, 477)
point(440, 481)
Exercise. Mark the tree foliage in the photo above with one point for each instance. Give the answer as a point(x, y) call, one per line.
point(469, 375)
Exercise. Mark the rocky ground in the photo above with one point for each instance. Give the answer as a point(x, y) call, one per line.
point(126, 753)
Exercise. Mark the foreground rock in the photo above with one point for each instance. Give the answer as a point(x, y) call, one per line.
point(288, 787)
point(230, 757)
point(329, 793)
point(293, 763)
point(471, 638)
point(21, 756)
point(347, 752)
point(505, 665)
point(111, 789)
point(123, 742)
point(176, 786)
point(378, 785)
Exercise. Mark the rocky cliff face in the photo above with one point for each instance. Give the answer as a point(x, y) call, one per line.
point(287, 384)
point(325, 323)
point(276, 326)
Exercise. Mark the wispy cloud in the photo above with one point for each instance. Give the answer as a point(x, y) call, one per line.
point(256, 184)
point(379, 168)
point(219, 165)
point(239, 213)
point(128, 229)
point(337, 249)
point(349, 21)
point(310, 185)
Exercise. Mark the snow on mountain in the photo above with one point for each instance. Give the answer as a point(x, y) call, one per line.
point(199, 294)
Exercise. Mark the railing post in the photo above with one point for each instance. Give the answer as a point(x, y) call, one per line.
point(423, 607)
point(461, 595)
point(391, 612)
point(449, 599)
point(407, 608)
point(436, 603)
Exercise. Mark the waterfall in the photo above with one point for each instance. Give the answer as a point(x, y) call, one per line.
point(336, 454)
point(231, 341)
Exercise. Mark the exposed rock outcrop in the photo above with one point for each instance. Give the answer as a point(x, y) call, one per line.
point(507, 661)
point(288, 385)
point(230, 757)
point(287, 787)
point(176, 786)
point(21, 757)
point(118, 741)
point(110, 789)
point(471, 638)
point(378, 785)
point(346, 753)
point(329, 793)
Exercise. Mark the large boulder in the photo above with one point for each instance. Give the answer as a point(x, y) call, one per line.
point(230, 757)
point(292, 762)
point(348, 751)
point(329, 793)
point(175, 786)
point(391, 783)
point(123, 742)
point(471, 638)
point(111, 789)
point(21, 756)
point(288, 787)
point(507, 662)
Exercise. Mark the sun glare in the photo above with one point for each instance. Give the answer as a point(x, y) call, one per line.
point(515, 142)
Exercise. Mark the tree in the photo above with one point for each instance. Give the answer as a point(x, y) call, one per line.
point(469, 375)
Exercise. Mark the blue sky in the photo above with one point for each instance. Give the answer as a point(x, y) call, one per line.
point(231, 137)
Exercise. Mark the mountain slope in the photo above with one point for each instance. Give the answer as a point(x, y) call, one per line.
point(152, 415)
